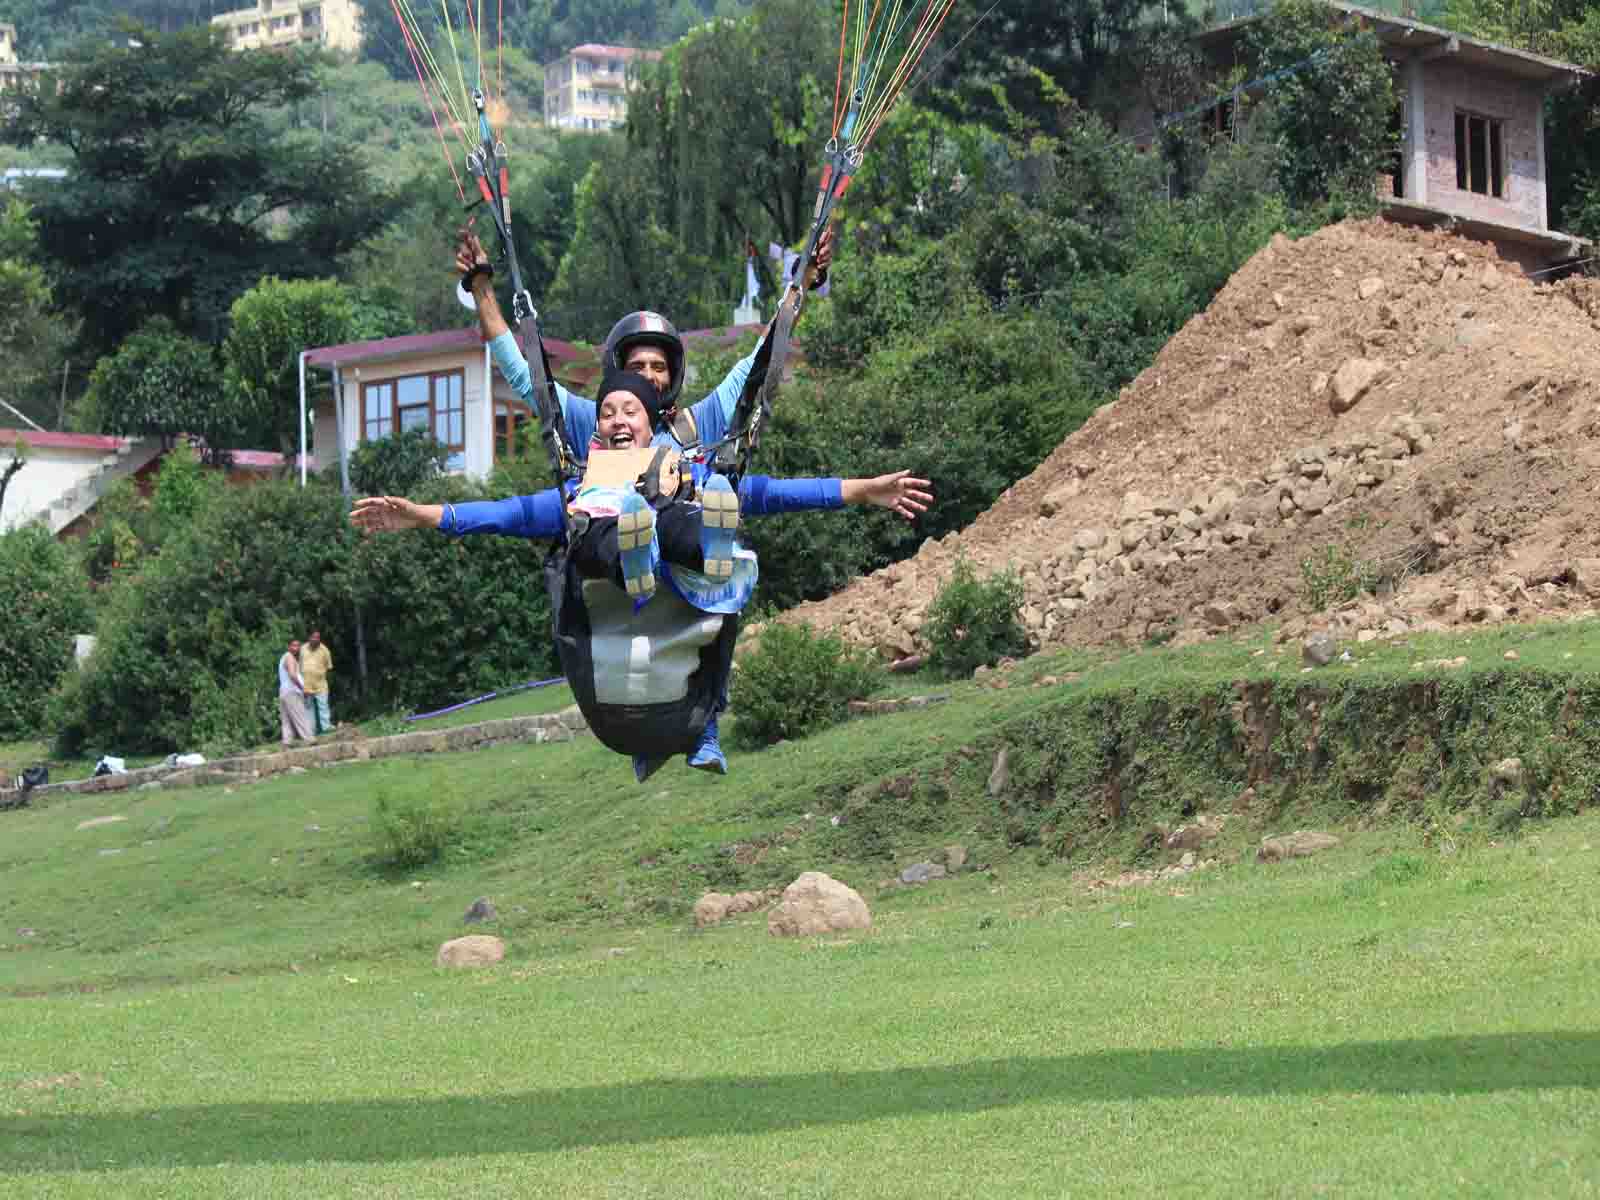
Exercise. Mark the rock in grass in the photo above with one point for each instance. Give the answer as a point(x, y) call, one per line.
point(1000, 777)
point(1318, 649)
point(482, 910)
point(1302, 843)
point(711, 908)
point(816, 903)
point(922, 872)
point(474, 950)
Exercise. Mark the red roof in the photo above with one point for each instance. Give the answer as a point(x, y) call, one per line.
point(415, 345)
point(61, 441)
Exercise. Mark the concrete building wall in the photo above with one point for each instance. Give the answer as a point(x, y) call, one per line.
point(50, 473)
point(335, 24)
point(1449, 88)
point(587, 89)
point(477, 405)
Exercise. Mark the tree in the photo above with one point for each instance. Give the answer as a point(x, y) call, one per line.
point(165, 383)
point(44, 601)
point(397, 465)
point(19, 458)
point(180, 198)
point(1330, 112)
point(730, 169)
point(269, 326)
point(1088, 49)
point(33, 336)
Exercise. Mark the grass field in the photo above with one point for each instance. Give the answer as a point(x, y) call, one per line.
point(224, 994)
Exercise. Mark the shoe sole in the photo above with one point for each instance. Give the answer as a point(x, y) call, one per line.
point(636, 532)
point(719, 528)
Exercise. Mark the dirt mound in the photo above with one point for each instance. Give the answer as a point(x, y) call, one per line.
point(1389, 403)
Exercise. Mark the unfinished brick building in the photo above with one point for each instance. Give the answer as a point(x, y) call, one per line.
point(1472, 152)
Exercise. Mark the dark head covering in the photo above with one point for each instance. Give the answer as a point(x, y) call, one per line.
point(635, 384)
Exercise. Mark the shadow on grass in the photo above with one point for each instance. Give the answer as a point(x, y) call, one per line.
point(401, 1129)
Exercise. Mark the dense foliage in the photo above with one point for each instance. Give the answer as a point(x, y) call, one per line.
point(188, 643)
point(401, 464)
point(797, 683)
point(163, 382)
point(43, 603)
point(181, 197)
point(974, 622)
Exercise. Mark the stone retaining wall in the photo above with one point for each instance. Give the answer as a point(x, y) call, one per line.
point(547, 727)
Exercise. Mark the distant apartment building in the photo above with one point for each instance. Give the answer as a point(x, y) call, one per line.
point(334, 24)
point(15, 74)
point(588, 87)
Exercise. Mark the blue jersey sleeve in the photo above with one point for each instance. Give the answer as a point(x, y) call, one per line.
point(713, 416)
point(764, 496)
point(536, 516)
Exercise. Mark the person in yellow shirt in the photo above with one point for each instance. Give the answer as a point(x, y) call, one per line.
point(315, 663)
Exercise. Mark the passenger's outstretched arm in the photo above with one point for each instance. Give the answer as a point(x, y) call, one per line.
point(536, 516)
point(898, 491)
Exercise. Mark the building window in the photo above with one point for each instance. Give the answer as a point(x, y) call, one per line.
point(377, 410)
point(1480, 155)
point(434, 402)
point(313, 17)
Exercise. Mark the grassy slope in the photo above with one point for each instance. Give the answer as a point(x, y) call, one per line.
point(1385, 1019)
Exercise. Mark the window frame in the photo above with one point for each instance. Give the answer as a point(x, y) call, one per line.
point(376, 425)
point(1486, 161)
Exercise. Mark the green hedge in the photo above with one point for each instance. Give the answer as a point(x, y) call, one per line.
point(44, 601)
point(188, 643)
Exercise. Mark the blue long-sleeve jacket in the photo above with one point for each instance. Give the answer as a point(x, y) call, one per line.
point(712, 416)
point(541, 515)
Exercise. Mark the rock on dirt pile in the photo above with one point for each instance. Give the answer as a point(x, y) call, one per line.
point(1394, 403)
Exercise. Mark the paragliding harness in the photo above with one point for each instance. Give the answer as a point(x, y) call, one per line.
point(648, 681)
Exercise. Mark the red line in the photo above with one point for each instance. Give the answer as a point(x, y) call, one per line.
point(838, 75)
point(427, 96)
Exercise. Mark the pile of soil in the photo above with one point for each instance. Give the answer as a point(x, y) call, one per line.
point(1390, 404)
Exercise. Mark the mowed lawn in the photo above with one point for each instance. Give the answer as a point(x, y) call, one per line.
point(1384, 1020)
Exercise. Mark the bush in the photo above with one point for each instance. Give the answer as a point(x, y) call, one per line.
point(412, 827)
point(397, 465)
point(44, 601)
point(797, 683)
point(188, 642)
point(973, 622)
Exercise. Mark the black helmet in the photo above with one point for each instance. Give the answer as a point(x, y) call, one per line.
point(646, 329)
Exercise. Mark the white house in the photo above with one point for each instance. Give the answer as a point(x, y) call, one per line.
point(444, 382)
point(66, 473)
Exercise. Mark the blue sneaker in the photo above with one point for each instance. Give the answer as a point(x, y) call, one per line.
point(636, 539)
point(708, 756)
point(644, 766)
point(719, 527)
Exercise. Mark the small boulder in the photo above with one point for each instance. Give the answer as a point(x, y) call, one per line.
point(816, 903)
point(474, 950)
point(1000, 776)
point(922, 872)
point(711, 908)
point(1318, 649)
point(1507, 772)
point(1352, 380)
point(1302, 843)
point(955, 857)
